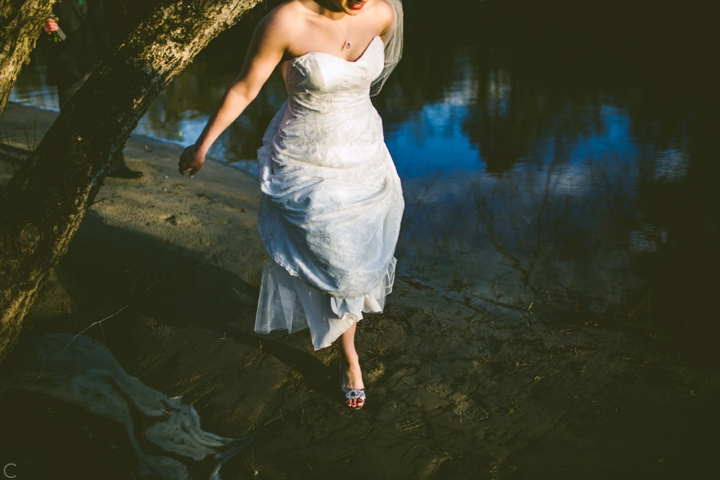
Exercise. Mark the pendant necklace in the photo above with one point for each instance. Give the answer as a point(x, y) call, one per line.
point(346, 45)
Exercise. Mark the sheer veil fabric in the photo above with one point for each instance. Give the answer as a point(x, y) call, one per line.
point(393, 47)
point(331, 200)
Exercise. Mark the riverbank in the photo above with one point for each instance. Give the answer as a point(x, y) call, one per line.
point(456, 388)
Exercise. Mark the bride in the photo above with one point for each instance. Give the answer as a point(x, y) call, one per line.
point(331, 201)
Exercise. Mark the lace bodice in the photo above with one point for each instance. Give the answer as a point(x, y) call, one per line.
point(317, 75)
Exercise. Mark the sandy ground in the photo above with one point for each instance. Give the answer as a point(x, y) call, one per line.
point(456, 388)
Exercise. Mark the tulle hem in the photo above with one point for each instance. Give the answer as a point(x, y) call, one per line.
point(288, 303)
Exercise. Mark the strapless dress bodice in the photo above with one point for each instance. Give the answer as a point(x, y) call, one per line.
point(319, 82)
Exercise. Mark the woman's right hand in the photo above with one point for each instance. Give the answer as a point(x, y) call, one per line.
point(191, 160)
point(50, 25)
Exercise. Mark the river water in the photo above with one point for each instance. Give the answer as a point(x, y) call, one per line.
point(551, 166)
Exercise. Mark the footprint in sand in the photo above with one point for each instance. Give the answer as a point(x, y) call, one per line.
point(463, 406)
point(407, 422)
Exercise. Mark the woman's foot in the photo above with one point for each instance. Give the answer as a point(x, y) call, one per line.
point(352, 385)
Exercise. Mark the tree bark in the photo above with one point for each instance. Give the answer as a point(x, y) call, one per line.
point(46, 200)
point(20, 26)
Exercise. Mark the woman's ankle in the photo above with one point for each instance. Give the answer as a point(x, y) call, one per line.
point(353, 373)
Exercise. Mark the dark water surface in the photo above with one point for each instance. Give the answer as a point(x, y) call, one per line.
point(561, 161)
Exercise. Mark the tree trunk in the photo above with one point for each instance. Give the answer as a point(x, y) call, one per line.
point(20, 26)
point(46, 200)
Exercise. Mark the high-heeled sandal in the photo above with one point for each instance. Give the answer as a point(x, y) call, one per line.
point(357, 394)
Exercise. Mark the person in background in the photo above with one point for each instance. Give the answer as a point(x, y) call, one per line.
point(81, 43)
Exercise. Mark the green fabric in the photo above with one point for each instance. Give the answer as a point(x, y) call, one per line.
point(80, 2)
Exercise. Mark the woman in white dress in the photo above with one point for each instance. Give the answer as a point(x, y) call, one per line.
point(331, 200)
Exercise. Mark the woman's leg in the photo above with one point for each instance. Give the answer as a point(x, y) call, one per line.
point(353, 374)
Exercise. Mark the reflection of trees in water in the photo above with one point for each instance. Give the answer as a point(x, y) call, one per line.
point(635, 232)
point(537, 58)
point(513, 115)
point(680, 196)
point(529, 236)
point(629, 234)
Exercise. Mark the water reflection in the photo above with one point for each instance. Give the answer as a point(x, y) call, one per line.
point(565, 182)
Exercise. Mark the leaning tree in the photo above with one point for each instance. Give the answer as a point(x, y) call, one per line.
point(44, 203)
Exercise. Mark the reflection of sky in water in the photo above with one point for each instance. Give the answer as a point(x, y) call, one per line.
point(429, 143)
point(432, 141)
point(614, 138)
point(671, 165)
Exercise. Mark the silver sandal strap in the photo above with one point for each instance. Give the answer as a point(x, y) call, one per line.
point(354, 394)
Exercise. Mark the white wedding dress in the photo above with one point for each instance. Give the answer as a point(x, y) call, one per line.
point(331, 200)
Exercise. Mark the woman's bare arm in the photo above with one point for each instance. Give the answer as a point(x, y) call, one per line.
point(266, 50)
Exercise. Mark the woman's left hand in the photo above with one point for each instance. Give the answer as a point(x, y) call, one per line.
point(191, 160)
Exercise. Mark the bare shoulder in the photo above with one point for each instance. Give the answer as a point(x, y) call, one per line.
point(385, 14)
point(277, 21)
